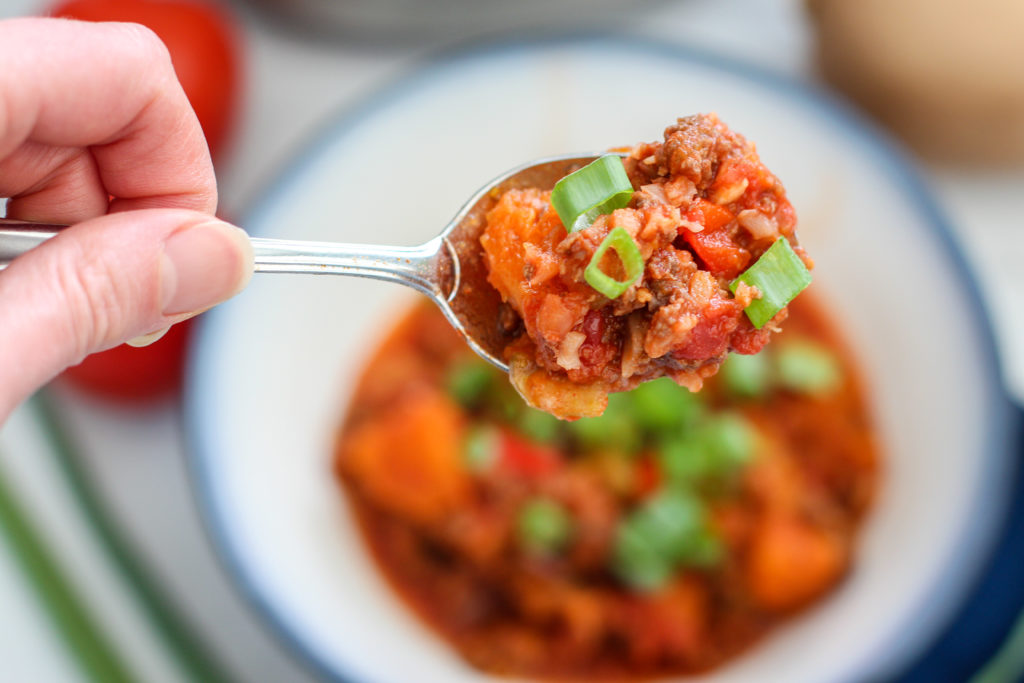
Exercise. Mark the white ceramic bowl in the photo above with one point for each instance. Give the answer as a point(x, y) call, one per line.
point(273, 369)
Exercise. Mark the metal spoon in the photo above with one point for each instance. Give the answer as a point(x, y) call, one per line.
point(449, 269)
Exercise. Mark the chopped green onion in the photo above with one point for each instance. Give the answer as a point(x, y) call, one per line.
point(633, 263)
point(779, 275)
point(638, 562)
point(598, 188)
point(672, 519)
point(807, 368)
point(467, 381)
point(544, 526)
point(712, 453)
point(662, 406)
point(682, 460)
point(666, 531)
point(706, 549)
point(746, 376)
point(730, 439)
point(538, 426)
point(480, 448)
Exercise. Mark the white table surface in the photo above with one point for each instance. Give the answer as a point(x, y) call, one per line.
point(138, 456)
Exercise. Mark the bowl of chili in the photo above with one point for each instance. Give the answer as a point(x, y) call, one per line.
point(888, 274)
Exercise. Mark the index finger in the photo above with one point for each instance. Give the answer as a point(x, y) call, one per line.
point(110, 90)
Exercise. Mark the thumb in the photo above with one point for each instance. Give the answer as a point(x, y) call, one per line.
point(107, 280)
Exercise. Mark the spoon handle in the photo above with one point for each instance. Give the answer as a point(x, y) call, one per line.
point(17, 237)
point(415, 267)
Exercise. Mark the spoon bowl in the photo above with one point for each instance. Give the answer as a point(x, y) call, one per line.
point(473, 306)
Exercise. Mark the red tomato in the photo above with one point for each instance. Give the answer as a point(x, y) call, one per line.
point(205, 53)
point(127, 374)
point(710, 215)
point(718, 253)
point(203, 47)
point(526, 459)
point(712, 245)
point(648, 476)
point(710, 337)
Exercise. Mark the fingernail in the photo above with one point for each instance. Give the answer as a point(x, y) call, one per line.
point(147, 339)
point(204, 265)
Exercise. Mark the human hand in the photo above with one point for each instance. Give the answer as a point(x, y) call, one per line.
point(95, 131)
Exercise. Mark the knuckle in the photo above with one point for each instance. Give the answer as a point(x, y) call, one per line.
point(148, 44)
point(141, 47)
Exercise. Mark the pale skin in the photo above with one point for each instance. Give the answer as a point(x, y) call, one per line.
point(90, 112)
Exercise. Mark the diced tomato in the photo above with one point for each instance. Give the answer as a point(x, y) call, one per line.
point(523, 458)
point(710, 338)
point(748, 339)
point(717, 252)
point(712, 245)
point(710, 215)
point(785, 216)
point(648, 476)
point(734, 172)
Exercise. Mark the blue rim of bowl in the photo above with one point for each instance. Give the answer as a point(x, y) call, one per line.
point(979, 537)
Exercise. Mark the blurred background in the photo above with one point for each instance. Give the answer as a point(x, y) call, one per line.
point(108, 569)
